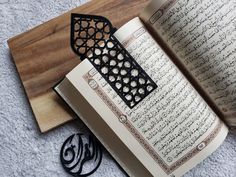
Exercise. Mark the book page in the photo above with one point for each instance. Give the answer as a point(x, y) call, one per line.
point(103, 132)
point(173, 128)
point(202, 34)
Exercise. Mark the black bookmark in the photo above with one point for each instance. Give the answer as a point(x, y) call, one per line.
point(92, 38)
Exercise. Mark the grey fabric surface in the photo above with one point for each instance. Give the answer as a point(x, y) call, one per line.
point(23, 150)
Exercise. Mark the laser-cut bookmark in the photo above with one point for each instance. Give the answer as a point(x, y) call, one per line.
point(92, 38)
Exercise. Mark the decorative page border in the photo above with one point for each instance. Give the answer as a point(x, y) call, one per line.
point(167, 5)
point(88, 77)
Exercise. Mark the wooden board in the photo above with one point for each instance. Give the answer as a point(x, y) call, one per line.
point(43, 56)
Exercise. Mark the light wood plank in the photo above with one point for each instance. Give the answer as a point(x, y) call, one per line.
point(43, 56)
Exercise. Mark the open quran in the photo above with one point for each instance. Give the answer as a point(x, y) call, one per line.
point(160, 92)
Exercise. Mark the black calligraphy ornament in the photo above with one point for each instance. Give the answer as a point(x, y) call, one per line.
point(92, 38)
point(81, 155)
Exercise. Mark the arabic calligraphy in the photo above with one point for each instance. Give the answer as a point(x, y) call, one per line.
point(173, 120)
point(202, 34)
point(81, 155)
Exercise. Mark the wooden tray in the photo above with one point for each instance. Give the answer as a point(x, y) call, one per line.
point(43, 56)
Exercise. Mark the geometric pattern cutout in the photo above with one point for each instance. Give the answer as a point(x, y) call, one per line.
point(92, 38)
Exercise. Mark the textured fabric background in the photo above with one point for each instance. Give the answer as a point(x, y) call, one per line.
point(24, 152)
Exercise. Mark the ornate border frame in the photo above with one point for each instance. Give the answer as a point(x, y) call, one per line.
point(88, 77)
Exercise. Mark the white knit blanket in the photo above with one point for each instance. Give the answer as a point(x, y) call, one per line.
point(24, 152)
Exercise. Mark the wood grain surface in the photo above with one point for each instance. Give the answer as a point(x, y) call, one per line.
point(43, 56)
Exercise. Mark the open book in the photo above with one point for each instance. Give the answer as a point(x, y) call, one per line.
point(188, 48)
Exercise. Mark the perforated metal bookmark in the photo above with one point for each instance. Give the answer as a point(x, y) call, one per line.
point(92, 38)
